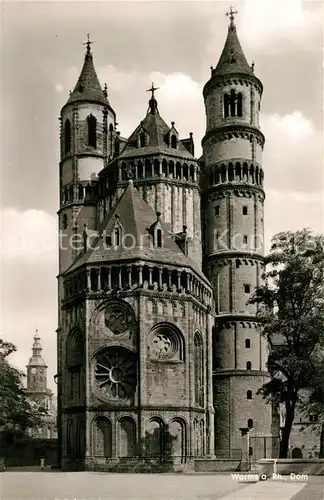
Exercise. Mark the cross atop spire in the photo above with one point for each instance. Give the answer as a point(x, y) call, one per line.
point(152, 89)
point(88, 44)
point(231, 14)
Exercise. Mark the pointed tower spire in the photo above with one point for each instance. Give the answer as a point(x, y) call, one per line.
point(37, 348)
point(88, 87)
point(232, 59)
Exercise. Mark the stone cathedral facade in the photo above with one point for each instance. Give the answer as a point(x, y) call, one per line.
point(160, 355)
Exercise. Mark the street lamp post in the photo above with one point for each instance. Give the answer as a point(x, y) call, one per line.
point(245, 431)
point(57, 380)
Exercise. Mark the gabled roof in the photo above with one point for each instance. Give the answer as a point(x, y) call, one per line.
point(232, 59)
point(136, 218)
point(157, 131)
point(88, 87)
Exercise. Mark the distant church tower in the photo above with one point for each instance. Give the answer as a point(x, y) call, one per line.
point(38, 391)
point(37, 371)
point(232, 206)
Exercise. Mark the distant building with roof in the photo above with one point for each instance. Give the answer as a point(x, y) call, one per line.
point(160, 355)
point(38, 391)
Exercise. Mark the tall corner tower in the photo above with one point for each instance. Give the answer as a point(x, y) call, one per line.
point(87, 138)
point(232, 203)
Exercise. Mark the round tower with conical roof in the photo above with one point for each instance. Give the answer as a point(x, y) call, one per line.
point(87, 138)
point(233, 199)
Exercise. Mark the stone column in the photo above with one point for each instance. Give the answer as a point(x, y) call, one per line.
point(179, 280)
point(88, 280)
point(188, 282)
point(98, 279)
point(140, 275)
point(120, 284)
point(170, 280)
point(129, 269)
point(109, 278)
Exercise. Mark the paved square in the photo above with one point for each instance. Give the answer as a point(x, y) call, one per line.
point(33, 485)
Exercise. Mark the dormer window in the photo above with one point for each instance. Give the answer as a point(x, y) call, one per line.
point(174, 141)
point(142, 140)
point(156, 231)
point(159, 238)
point(92, 131)
point(117, 236)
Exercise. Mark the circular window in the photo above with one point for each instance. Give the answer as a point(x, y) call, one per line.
point(117, 318)
point(164, 343)
point(161, 344)
point(115, 372)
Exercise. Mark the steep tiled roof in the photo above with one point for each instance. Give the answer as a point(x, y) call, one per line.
point(135, 217)
point(157, 131)
point(232, 59)
point(88, 87)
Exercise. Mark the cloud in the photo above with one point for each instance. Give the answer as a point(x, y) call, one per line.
point(29, 235)
point(293, 154)
point(266, 23)
point(179, 99)
point(292, 211)
point(59, 87)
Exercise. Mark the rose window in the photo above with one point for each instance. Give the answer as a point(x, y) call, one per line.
point(117, 319)
point(115, 372)
point(161, 344)
point(164, 343)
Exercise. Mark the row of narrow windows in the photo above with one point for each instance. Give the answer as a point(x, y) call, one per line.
point(143, 140)
point(115, 239)
point(248, 365)
point(247, 342)
point(238, 173)
point(244, 210)
point(244, 242)
point(91, 133)
point(233, 104)
point(100, 279)
point(150, 169)
point(87, 191)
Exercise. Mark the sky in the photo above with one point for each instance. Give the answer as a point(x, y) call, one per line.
point(173, 44)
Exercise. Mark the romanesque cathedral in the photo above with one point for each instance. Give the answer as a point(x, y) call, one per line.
point(160, 355)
